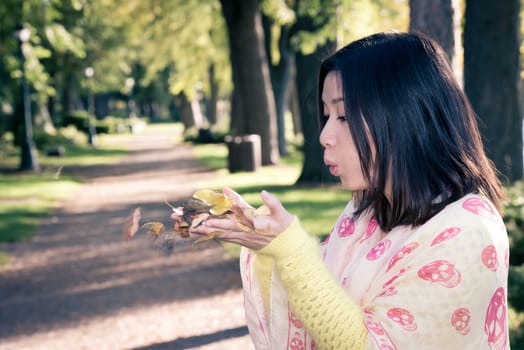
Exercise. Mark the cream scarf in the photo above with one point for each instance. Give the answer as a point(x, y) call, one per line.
point(418, 288)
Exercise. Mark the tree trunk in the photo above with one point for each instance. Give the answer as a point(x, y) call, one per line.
point(252, 100)
point(491, 78)
point(435, 19)
point(68, 94)
point(211, 105)
point(186, 114)
point(280, 74)
point(313, 169)
point(294, 103)
point(102, 108)
point(42, 118)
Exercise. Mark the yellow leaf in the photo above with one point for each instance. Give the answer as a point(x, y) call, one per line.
point(219, 202)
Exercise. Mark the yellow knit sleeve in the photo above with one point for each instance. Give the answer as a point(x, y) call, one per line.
point(330, 315)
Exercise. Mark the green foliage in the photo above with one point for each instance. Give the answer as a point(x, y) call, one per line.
point(200, 42)
point(109, 125)
point(7, 146)
point(516, 287)
point(516, 329)
point(514, 220)
point(114, 125)
point(45, 141)
point(359, 18)
point(343, 20)
point(79, 119)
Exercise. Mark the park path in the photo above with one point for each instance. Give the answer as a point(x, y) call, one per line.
point(77, 285)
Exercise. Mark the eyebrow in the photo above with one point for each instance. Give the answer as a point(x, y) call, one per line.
point(336, 100)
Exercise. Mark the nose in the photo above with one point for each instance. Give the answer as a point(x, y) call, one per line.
point(327, 136)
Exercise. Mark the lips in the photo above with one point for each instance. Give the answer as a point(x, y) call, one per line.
point(333, 167)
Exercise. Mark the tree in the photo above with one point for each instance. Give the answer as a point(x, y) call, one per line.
point(45, 35)
point(491, 79)
point(168, 48)
point(253, 107)
point(435, 19)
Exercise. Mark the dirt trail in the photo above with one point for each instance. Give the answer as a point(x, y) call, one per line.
point(78, 285)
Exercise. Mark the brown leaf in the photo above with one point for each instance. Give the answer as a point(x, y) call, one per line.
point(194, 207)
point(166, 242)
point(131, 224)
point(199, 219)
point(243, 222)
point(182, 228)
point(155, 229)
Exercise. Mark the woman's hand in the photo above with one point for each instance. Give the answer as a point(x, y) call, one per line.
point(269, 226)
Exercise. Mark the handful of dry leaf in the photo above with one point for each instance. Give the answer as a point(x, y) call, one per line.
point(209, 203)
point(193, 212)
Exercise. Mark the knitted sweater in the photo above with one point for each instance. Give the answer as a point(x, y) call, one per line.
point(439, 285)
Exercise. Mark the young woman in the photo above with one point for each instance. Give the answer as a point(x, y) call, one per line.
point(419, 257)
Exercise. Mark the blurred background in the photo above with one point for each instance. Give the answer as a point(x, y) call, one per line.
point(100, 92)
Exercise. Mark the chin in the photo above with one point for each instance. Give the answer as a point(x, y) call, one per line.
point(348, 186)
point(352, 186)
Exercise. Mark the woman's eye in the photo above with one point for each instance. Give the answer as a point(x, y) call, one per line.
point(342, 118)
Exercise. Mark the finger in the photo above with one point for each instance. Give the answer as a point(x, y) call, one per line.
point(203, 230)
point(243, 239)
point(272, 202)
point(236, 197)
point(225, 224)
point(177, 212)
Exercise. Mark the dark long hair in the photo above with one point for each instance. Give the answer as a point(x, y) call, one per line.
point(402, 100)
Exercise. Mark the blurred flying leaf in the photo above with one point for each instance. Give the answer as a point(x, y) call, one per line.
point(131, 224)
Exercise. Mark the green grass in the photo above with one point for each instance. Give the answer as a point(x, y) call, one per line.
point(27, 197)
point(74, 155)
point(85, 156)
point(4, 258)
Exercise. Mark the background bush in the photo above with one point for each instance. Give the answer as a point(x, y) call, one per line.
point(514, 220)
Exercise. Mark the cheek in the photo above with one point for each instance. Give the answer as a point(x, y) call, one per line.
point(354, 175)
point(350, 153)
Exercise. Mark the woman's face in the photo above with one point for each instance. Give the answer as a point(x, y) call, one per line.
point(340, 152)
